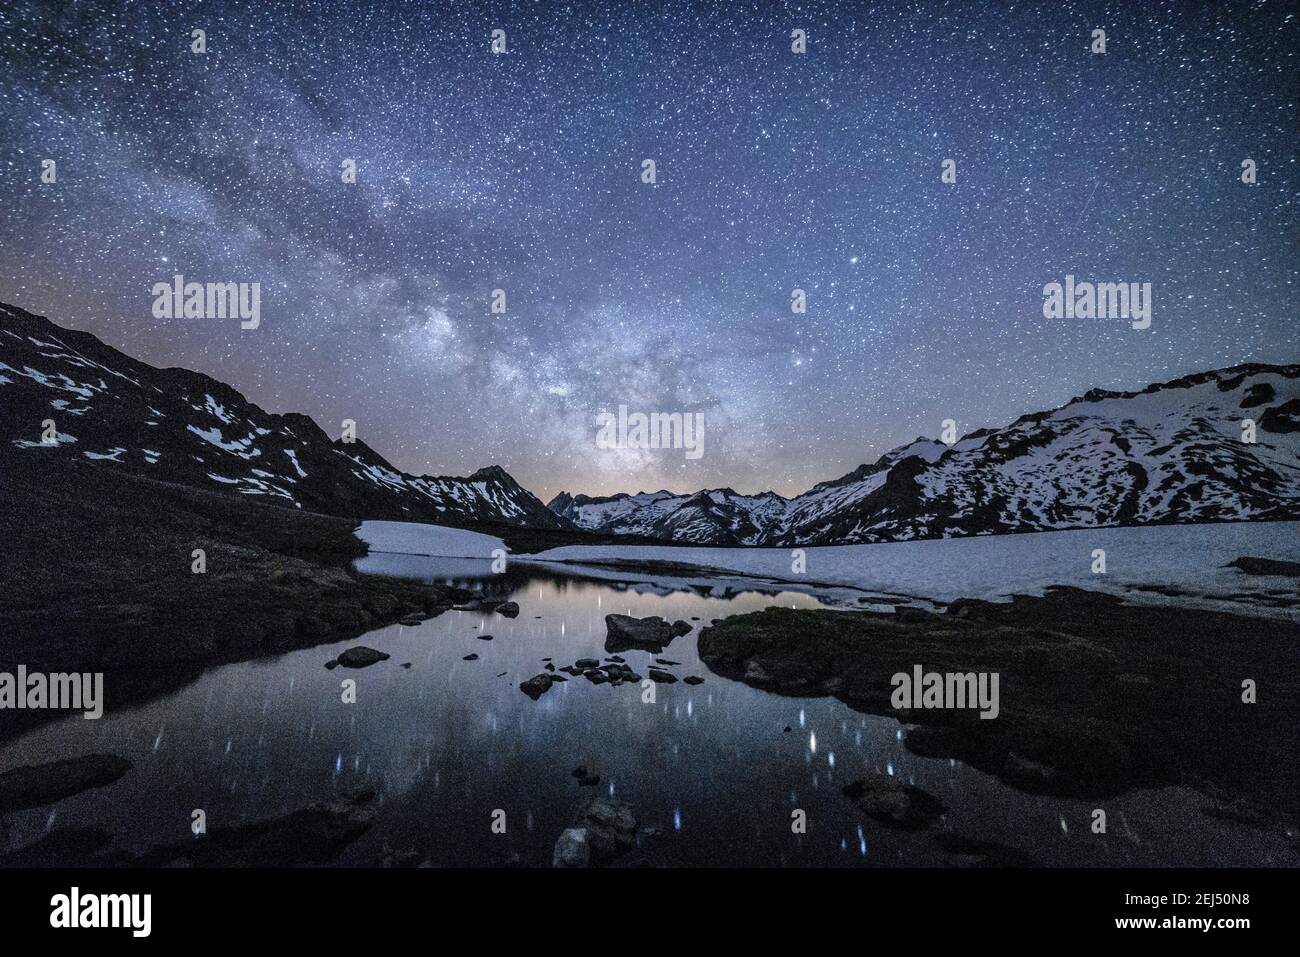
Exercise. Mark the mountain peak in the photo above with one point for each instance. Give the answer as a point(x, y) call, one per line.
point(187, 428)
point(489, 472)
point(1106, 458)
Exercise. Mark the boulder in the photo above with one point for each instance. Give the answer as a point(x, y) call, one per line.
point(611, 828)
point(360, 656)
point(624, 633)
point(536, 686)
point(509, 609)
point(605, 830)
point(572, 849)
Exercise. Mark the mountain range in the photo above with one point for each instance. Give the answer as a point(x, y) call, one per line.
point(1174, 452)
point(1171, 453)
point(191, 429)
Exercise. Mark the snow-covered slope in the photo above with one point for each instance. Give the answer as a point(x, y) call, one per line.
point(185, 427)
point(1174, 452)
point(418, 538)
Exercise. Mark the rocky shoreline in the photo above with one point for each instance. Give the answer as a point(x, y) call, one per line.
point(105, 583)
point(1097, 696)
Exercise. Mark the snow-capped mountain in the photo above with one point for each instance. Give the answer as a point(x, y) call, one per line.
point(714, 516)
point(186, 427)
point(1174, 452)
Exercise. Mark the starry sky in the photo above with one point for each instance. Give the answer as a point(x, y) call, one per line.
point(775, 171)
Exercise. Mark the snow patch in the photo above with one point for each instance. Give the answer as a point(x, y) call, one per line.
point(417, 538)
point(244, 447)
point(105, 456)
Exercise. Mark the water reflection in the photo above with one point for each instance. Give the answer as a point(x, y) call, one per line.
point(447, 741)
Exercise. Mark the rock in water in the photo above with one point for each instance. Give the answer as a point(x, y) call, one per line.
point(572, 849)
point(606, 830)
point(894, 804)
point(611, 828)
point(646, 634)
point(1266, 566)
point(681, 628)
point(662, 677)
point(536, 686)
point(361, 657)
point(510, 609)
point(33, 785)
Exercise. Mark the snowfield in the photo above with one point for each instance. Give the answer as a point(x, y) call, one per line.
point(416, 538)
point(1156, 564)
point(1187, 559)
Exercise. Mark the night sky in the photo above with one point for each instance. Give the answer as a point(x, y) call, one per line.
point(522, 171)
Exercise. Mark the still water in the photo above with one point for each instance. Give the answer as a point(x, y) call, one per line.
point(447, 742)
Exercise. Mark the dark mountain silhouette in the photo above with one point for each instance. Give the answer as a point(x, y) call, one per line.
point(191, 429)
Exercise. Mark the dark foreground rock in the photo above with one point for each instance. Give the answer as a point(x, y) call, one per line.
point(537, 685)
point(605, 830)
point(94, 582)
point(313, 835)
point(34, 785)
point(970, 851)
point(360, 656)
point(509, 609)
point(1266, 566)
point(625, 633)
point(893, 803)
point(1096, 696)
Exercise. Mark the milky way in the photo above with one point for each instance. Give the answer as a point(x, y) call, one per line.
point(522, 171)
